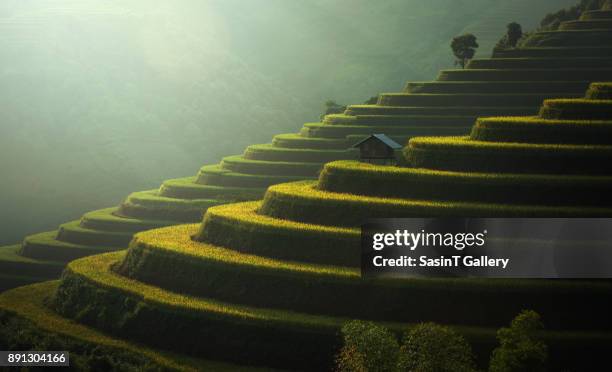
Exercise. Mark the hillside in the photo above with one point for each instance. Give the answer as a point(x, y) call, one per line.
point(269, 282)
point(104, 97)
point(447, 106)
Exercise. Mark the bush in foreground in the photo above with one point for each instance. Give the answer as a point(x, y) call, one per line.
point(427, 347)
point(431, 347)
point(367, 347)
point(520, 347)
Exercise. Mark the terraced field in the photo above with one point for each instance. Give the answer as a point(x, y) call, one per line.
point(558, 64)
point(490, 27)
point(269, 283)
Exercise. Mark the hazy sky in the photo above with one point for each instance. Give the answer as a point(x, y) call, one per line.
point(103, 97)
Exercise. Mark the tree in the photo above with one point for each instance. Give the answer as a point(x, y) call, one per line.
point(332, 107)
point(521, 348)
point(464, 48)
point(430, 347)
point(372, 100)
point(367, 347)
point(514, 34)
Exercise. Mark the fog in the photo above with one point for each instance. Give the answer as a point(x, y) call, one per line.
point(102, 98)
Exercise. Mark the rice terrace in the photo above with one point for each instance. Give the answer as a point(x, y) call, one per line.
point(257, 262)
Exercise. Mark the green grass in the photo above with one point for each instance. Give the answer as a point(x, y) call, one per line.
point(239, 164)
point(268, 152)
point(72, 232)
point(26, 308)
point(555, 52)
point(526, 74)
point(148, 204)
point(297, 141)
point(595, 24)
point(342, 131)
point(187, 188)
point(580, 109)
point(45, 246)
point(200, 326)
point(514, 99)
point(91, 292)
point(585, 62)
point(463, 154)
point(168, 258)
point(303, 202)
point(450, 87)
point(14, 264)
point(568, 38)
point(596, 14)
point(239, 227)
point(600, 91)
point(151, 198)
point(371, 110)
point(109, 220)
point(444, 120)
point(424, 184)
point(538, 130)
point(214, 175)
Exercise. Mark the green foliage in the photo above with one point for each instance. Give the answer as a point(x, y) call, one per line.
point(541, 74)
point(538, 130)
point(510, 40)
point(429, 347)
point(187, 188)
point(239, 227)
point(464, 154)
point(332, 107)
point(464, 48)
point(304, 202)
point(576, 109)
point(28, 323)
point(371, 101)
point(424, 184)
point(367, 347)
point(515, 32)
point(474, 99)
point(552, 21)
point(521, 348)
point(19, 334)
point(248, 263)
point(45, 246)
point(272, 153)
point(600, 91)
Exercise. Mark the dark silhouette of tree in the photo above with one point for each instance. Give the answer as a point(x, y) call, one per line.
point(521, 348)
point(464, 48)
point(430, 347)
point(514, 34)
point(372, 100)
point(332, 107)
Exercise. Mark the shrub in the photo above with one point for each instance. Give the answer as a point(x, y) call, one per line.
point(464, 48)
point(371, 101)
point(520, 347)
point(513, 34)
point(553, 20)
point(367, 347)
point(332, 107)
point(430, 347)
